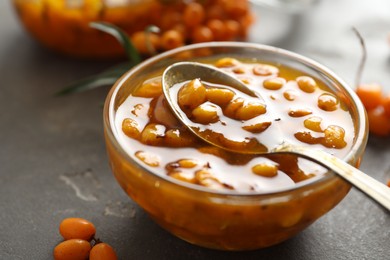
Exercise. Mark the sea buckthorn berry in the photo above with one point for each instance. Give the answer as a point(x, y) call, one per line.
point(187, 163)
point(72, 249)
point(202, 34)
point(178, 138)
point(217, 27)
point(257, 128)
point(265, 169)
point(102, 251)
point(148, 158)
point(143, 41)
point(232, 107)
point(274, 83)
point(379, 123)
point(219, 96)
point(153, 134)
point(226, 62)
point(181, 176)
point(192, 94)
point(328, 102)
point(205, 114)
point(313, 123)
point(307, 84)
point(299, 112)
point(265, 70)
point(386, 105)
point(306, 137)
point(334, 137)
point(239, 70)
point(250, 111)
point(193, 14)
point(370, 95)
point(171, 39)
point(77, 228)
point(130, 128)
point(290, 95)
point(232, 29)
point(151, 88)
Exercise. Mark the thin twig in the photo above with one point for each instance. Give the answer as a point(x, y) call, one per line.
point(149, 45)
point(363, 59)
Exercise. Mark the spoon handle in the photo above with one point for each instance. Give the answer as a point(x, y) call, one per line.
point(374, 189)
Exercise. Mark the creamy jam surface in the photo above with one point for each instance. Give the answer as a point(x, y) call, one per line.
point(294, 107)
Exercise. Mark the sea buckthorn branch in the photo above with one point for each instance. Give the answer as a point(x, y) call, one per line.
point(374, 100)
point(111, 75)
point(149, 30)
point(359, 72)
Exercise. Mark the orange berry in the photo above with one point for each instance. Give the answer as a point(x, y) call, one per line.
point(77, 228)
point(386, 105)
point(171, 39)
point(73, 249)
point(141, 40)
point(202, 34)
point(193, 14)
point(102, 251)
point(217, 27)
point(232, 29)
point(379, 123)
point(370, 95)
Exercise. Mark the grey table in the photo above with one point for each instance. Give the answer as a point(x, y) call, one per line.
point(53, 162)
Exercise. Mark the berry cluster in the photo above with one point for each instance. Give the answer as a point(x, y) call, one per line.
point(80, 242)
point(377, 105)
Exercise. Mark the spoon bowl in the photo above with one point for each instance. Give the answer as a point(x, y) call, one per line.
point(186, 71)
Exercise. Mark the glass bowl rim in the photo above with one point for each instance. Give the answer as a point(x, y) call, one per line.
point(356, 149)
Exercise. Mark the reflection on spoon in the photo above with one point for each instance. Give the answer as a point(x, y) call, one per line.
point(178, 74)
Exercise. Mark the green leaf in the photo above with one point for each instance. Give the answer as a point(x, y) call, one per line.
point(122, 38)
point(87, 84)
point(107, 77)
point(118, 70)
point(111, 75)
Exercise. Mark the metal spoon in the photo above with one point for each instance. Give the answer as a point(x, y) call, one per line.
point(185, 71)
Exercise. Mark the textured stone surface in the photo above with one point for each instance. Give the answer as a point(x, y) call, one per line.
point(53, 161)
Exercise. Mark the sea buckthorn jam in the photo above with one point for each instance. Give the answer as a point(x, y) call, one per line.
point(64, 25)
point(294, 107)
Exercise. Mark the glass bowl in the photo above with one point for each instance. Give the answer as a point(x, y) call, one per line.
point(64, 25)
point(229, 220)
